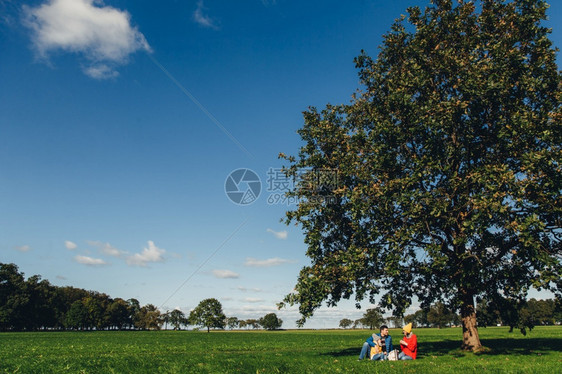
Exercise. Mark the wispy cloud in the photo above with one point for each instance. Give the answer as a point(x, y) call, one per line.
point(245, 289)
point(22, 248)
point(279, 234)
point(85, 260)
point(250, 261)
point(203, 19)
point(8, 8)
point(253, 300)
point(101, 71)
point(70, 245)
point(99, 33)
point(225, 274)
point(150, 254)
point(107, 249)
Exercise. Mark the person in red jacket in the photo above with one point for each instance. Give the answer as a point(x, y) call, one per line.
point(408, 344)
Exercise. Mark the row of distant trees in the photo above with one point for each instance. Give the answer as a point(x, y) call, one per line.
point(436, 316)
point(521, 314)
point(209, 314)
point(35, 304)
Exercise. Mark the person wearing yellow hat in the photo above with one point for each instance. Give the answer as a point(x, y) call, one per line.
point(408, 344)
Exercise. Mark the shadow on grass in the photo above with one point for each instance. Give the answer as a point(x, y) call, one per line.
point(528, 346)
point(345, 352)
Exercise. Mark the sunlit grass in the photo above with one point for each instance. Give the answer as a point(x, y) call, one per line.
point(304, 351)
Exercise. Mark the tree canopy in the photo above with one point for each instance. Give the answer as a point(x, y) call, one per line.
point(440, 316)
point(372, 318)
point(33, 304)
point(208, 314)
point(448, 164)
point(271, 322)
point(345, 323)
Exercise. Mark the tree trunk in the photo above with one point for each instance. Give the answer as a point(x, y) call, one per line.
point(470, 338)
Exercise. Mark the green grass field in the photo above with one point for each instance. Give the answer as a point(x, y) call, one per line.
point(328, 351)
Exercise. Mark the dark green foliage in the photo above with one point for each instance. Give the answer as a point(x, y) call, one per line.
point(119, 314)
point(77, 316)
point(372, 318)
point(35, 304)
point(148, 318)
point(345, 323)
point(253, 323)
point(176, 318)
point(449, 165)
point(440, 316)
point(523, 314)
point(271, 322)
point(232, 322)
point(208, 314)
point(418, 319)
point(13, 298)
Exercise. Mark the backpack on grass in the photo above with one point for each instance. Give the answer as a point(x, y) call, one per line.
point(393, 355)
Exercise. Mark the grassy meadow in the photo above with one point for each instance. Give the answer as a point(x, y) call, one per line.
point(306, 351)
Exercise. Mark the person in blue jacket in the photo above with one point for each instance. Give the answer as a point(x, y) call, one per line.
point(386, 344)
point(383, 339)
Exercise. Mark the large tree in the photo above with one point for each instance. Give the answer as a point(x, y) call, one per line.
point(149, 318)
point(177, 318)
point(448, 166)
point(345, 323)
point(208, 314)
point(271, 322)
point(372, 318)
point(439, 315)
point(14, 298)
point(232, 322)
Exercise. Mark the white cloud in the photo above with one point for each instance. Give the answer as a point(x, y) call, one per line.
point(225, 274)
point(150, 254)
point(107, 248)
point(279, 234)
point(70, 245)
point(85, 260)
point(101, 71)
point(101, 34)
point(22, 248)
point(61, 277)
point(267, 263)
point(201, 18)
point(244, 289)
point(253, 300)
point(259, 309)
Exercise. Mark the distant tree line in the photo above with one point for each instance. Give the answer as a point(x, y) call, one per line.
point(522, 315)
point(35, 304)
point(208, 314)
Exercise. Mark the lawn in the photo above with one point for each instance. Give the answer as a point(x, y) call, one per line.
point(327, 351)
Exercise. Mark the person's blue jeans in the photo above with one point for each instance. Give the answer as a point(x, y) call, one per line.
point(403, 356)
point(364, 350)
point(379, 357)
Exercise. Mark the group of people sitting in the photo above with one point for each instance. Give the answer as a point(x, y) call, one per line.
point(379, 346)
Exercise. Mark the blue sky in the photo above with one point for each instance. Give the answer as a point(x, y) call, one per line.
point(120, 122)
